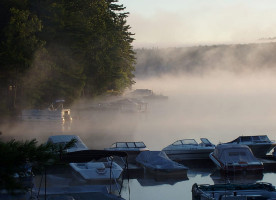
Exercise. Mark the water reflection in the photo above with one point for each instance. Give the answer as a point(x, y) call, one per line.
point(220, 177)
point(155, 180)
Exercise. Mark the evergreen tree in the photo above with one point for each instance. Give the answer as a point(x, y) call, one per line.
point(54, 49)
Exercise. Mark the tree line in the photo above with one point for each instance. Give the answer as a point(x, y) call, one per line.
point(200, 60)
point(52, 49)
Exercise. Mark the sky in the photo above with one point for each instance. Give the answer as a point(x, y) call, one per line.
point(174, 23)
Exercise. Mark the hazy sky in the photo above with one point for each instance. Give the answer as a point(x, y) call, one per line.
point(159, 23)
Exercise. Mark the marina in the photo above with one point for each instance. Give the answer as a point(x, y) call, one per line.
point(150, 171)
point(165, 122)
point(137, 100)
point(63, 181)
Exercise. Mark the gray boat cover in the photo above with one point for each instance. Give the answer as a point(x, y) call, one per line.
point(158, 160)
point(63, 139)
point(229, 153)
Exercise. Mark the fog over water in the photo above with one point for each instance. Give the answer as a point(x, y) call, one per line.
point(218, 105)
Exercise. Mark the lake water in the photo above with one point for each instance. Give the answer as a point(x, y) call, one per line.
point(182, 189)
point(149, 187)
point(219, 107)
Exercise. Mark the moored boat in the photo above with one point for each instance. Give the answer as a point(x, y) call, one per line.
point(255, 191)
point(158, 162)
point(235, 157)
point(189, 149)
point(63, 139)
point(82, 159)
point(260, 145)
point(98, 171)
point(131, 148)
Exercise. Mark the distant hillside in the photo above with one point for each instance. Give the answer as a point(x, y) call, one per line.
point(199, 60)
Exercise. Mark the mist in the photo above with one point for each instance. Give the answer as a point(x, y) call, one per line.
point(200, 22)
point(217, 92)
point(219, 105)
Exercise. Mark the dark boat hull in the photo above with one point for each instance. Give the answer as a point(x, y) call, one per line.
point(180, 155)
point(260, 150)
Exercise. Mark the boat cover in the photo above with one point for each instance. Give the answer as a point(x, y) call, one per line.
point(158, 160)
point(63, 139)
point(230, 153)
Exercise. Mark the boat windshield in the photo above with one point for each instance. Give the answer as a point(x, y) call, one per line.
point(121, 145)
point(128, 145)
point(264, 138)
point(256, 138)
point(185, 142)
point(131, 144)
point(246, 139)
point(140, 144)
point(206, 142)
point(178, 142)
point(189, 141)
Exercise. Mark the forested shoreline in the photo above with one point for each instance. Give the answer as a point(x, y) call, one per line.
point(81, 49)
point(55, 49)
point(200, 60)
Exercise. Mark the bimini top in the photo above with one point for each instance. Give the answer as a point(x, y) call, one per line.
point(63, 139)
point(231, 153)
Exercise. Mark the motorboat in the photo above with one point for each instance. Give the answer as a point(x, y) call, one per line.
point(235, 157)
point(90, 165)
point(88, 168)
point(98, 171)
point(259, 190)
point(189, 149)
point(260, 145)
point(159, 163)
point(64, 139)
point(61, 184)
point(131, 148)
